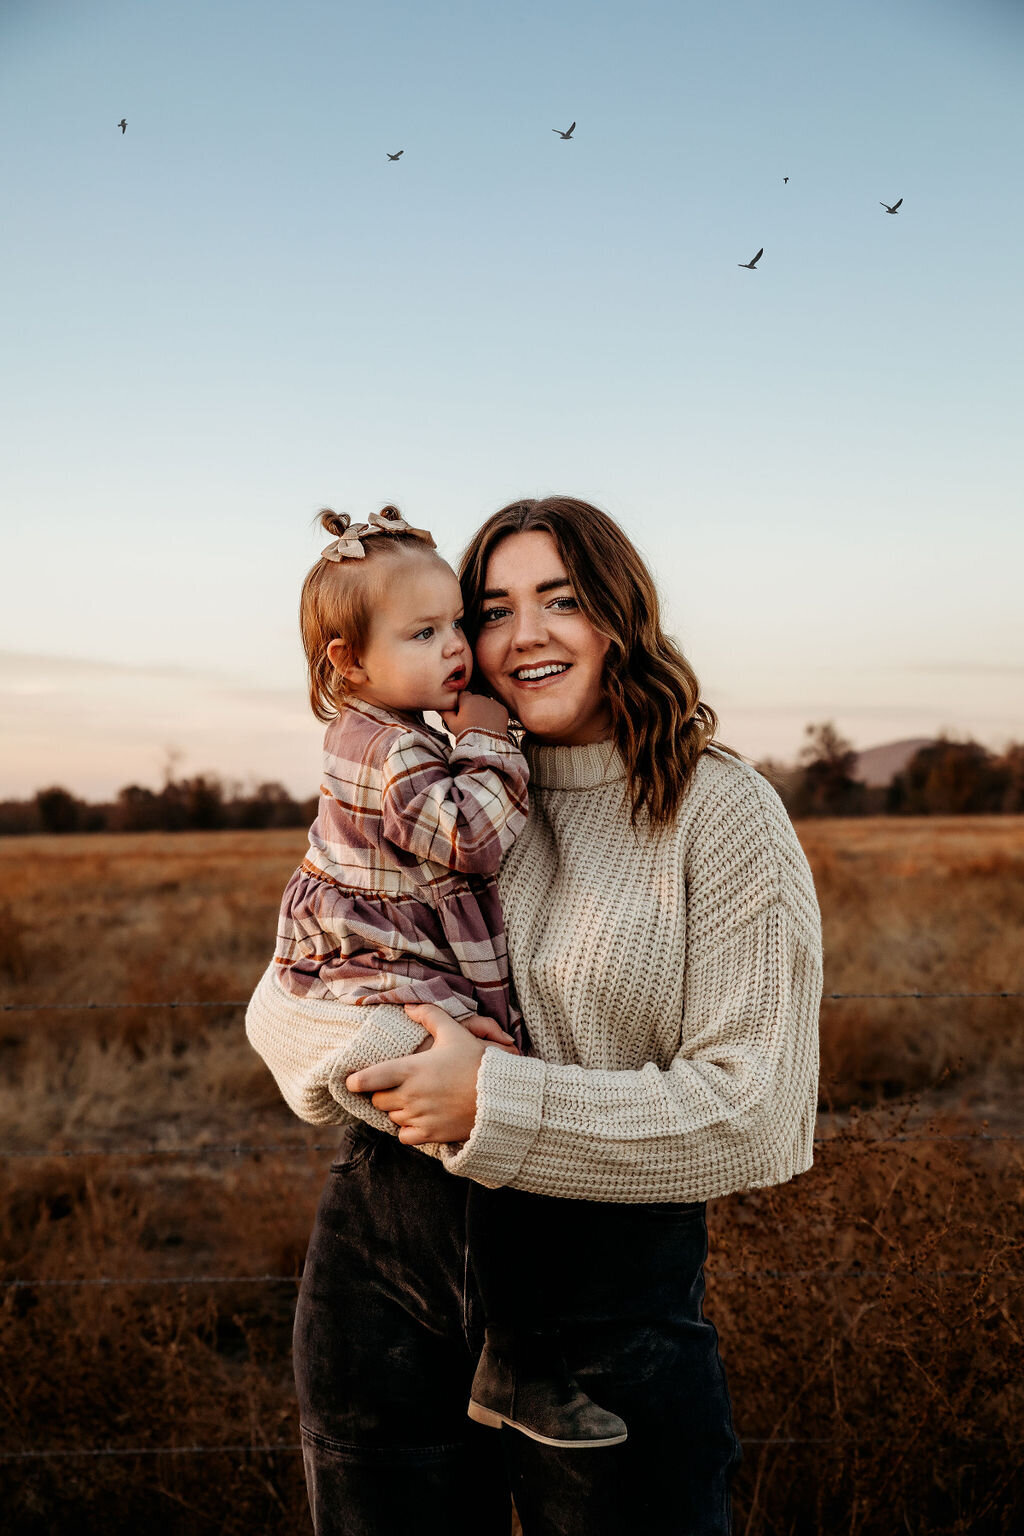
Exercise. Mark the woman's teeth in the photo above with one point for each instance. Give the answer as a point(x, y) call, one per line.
point(530, 674)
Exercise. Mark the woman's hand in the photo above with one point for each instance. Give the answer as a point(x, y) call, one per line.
point(430, 1095)
point(477, 1024)
point(483, 1028)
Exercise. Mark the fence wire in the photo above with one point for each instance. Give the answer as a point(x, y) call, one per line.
point(243, 1002)
point(295, 1448)
point(241, 1150)
point(910, 1273)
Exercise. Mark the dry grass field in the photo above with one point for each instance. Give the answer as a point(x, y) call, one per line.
point(890, 1387)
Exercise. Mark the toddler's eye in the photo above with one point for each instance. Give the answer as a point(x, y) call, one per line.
point(424, 634)
point(457, 623)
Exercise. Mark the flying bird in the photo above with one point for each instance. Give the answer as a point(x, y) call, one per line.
point(752, 265)
point(401, 152)
point(785, 179)
point(894, 209)
point(123, 124)
point(568, 132)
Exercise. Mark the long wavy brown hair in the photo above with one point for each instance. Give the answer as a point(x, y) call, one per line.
point(659, 721)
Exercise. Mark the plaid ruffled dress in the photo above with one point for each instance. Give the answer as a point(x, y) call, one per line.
point(396, 900)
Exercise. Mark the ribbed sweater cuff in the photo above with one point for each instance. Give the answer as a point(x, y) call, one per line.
point(509, 1095)
point(376, 1041)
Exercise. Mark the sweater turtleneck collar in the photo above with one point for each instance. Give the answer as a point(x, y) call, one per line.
point(585, 767)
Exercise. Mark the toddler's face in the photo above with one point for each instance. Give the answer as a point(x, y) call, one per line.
point(416, 656)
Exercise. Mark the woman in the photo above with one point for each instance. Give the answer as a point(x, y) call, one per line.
point(665, 947)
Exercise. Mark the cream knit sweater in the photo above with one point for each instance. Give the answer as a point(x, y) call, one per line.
point(670, 983)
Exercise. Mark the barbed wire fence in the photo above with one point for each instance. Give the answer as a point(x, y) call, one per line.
point(243, 1002)
point(241, 1150)
point(295, 1448)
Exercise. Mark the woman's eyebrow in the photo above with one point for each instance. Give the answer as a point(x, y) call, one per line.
point(542, 586)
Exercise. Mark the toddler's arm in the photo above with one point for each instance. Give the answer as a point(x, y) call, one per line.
point(464, 812)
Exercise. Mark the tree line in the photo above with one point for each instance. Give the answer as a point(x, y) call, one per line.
point(202, 803)
point(944, 778)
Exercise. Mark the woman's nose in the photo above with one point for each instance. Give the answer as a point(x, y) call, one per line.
point(529, 629)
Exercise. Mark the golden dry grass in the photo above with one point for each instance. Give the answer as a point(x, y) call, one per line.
point(903, 1374)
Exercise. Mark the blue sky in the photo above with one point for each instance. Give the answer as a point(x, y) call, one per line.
point(239, 311)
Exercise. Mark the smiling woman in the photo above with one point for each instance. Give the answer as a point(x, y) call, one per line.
point(595, 613)
point(664, 944)
point(544, 655)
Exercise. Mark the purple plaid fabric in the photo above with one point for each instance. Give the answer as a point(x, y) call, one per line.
point(396, 900)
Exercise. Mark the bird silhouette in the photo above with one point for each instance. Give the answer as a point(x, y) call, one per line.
point(752, 265)
point(123, 124)
point(785, 179)
point(568, 132)
point(401, 152)
point(894, 209)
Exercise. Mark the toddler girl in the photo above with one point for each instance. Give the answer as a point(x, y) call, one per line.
point(397, 901)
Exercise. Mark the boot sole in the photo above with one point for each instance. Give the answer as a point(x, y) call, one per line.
point(496, 1420)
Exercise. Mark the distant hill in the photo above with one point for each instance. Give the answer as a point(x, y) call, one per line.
point(878, 765)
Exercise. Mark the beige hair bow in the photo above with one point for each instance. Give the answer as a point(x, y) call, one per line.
point(350, 544)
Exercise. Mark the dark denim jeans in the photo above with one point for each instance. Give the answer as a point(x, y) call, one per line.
point(387, 1333)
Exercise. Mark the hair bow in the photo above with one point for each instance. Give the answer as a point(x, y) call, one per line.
point(349, 546)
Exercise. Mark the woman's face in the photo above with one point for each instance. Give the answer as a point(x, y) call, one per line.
point(530, 624)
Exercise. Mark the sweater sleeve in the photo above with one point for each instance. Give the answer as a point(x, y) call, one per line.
point(464, 813)
point(311, 1045)
point(735, 1107)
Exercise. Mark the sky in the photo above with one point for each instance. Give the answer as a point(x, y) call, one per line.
point(240, 311)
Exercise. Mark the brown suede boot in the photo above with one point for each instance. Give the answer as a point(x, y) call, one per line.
point(522, 1380)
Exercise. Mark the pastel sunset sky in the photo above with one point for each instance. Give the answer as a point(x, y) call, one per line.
point(239, 311)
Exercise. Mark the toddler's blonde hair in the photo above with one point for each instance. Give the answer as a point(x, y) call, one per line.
point(337, 602)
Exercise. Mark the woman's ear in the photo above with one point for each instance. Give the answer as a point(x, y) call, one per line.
point(344, 662)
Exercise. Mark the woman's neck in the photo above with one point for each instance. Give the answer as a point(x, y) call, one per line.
point(586, 765)
point(596, 730)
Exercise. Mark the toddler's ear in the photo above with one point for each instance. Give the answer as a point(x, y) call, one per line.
point(339, 654)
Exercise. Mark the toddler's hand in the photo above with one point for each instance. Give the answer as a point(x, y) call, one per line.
point(475, 712)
